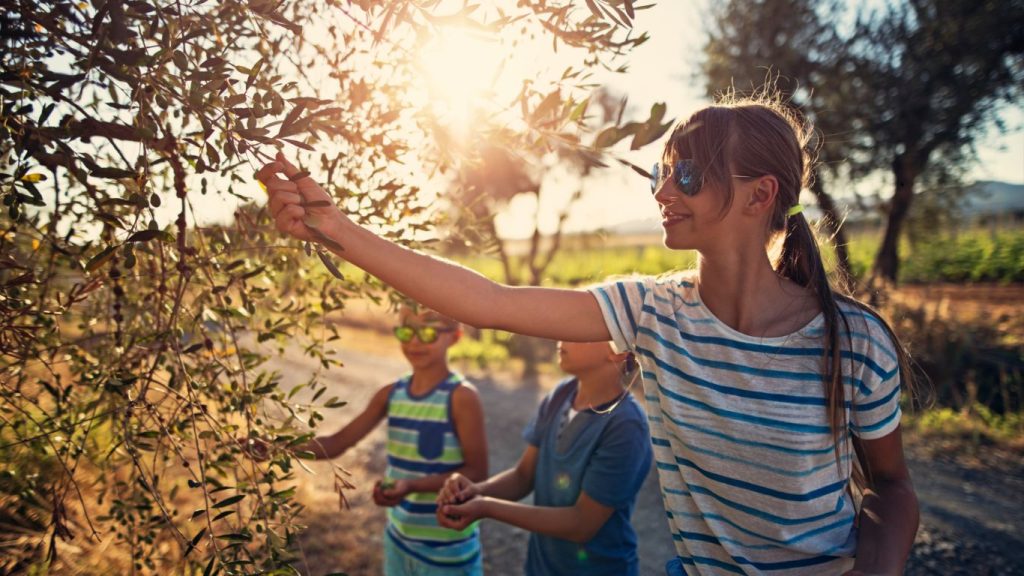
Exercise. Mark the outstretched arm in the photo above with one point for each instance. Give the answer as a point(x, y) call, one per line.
point(326, 447)
point(889, 513)
point(304, 210)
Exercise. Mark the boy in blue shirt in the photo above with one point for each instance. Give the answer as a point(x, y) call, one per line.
point(587, 456)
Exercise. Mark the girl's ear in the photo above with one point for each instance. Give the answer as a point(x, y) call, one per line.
point(762, 198)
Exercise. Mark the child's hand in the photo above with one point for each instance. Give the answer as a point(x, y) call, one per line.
point(390, 492)
point(459, 516)
point(456, 490)
point(300, 207)
point(256, 448)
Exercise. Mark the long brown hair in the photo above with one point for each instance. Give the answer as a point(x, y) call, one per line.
point(761, 136)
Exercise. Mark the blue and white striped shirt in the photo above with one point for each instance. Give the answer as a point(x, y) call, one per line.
point(742, 442)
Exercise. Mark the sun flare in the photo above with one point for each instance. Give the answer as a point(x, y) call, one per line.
point(460, 68)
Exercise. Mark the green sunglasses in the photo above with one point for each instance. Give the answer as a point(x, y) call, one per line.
point(426, 334)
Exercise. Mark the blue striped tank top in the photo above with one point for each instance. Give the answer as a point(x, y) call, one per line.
point(422, 442)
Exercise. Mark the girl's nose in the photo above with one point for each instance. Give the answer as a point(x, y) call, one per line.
point(665, 195)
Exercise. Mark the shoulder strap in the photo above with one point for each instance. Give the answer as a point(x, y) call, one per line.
point(399, 384)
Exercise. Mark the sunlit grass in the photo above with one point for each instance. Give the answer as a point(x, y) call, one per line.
point(574, 267)
point(978, 254)
point(973, 255)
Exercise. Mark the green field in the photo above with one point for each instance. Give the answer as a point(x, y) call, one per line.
point(572, 267)
point(974, 255)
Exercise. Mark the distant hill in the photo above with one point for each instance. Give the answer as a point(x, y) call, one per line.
point(990, 197)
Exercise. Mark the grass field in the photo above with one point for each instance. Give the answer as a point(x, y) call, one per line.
point(973, 255)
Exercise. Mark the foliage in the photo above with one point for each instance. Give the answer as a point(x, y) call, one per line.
point(927, 97)
point(489, 349)
point(975, 421)
point(971, 255)
point(482, 190)
point(967, 361)
point(134, 340)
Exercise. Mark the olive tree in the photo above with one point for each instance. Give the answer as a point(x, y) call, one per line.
point(134, 333)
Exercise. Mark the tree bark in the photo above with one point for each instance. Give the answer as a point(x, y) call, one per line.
point(834, 224)
point(887, 263)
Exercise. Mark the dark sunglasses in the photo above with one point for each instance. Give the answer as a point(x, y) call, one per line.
point(426, 334)
point(685, 175)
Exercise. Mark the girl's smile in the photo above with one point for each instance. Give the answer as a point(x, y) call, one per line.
point(671, 218)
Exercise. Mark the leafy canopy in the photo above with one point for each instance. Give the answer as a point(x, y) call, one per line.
point(135, 338)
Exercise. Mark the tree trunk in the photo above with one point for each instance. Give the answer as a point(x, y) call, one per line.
point(834, 225)
point(887, 261)
point(506, 261)
point(525, 348)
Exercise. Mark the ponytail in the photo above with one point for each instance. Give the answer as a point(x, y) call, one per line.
point(800, 261)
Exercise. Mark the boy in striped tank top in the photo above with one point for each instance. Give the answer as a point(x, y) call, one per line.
point(435, 428)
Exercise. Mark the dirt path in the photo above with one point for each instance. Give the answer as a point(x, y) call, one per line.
point(350, 540)
point(972, 518)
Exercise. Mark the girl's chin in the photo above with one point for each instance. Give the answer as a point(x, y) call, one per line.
point(674, 243)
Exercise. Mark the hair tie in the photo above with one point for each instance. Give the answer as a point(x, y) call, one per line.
point(795, 209)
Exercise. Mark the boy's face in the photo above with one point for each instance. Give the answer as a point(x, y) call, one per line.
point(424, 355)
point(581, 357)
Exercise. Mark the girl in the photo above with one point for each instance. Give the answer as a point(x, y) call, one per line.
point(768, 393)
point(587, 456)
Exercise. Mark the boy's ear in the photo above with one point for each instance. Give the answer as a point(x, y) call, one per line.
point(762, 198)
point(618, 357)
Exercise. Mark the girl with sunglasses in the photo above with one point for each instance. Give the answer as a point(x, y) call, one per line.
point(773, 398)
point(586, 457)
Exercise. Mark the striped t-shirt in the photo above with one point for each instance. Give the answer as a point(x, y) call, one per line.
point(742, 443)
point(422, 442)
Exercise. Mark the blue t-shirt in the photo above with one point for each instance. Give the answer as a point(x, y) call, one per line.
point(605, 455)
